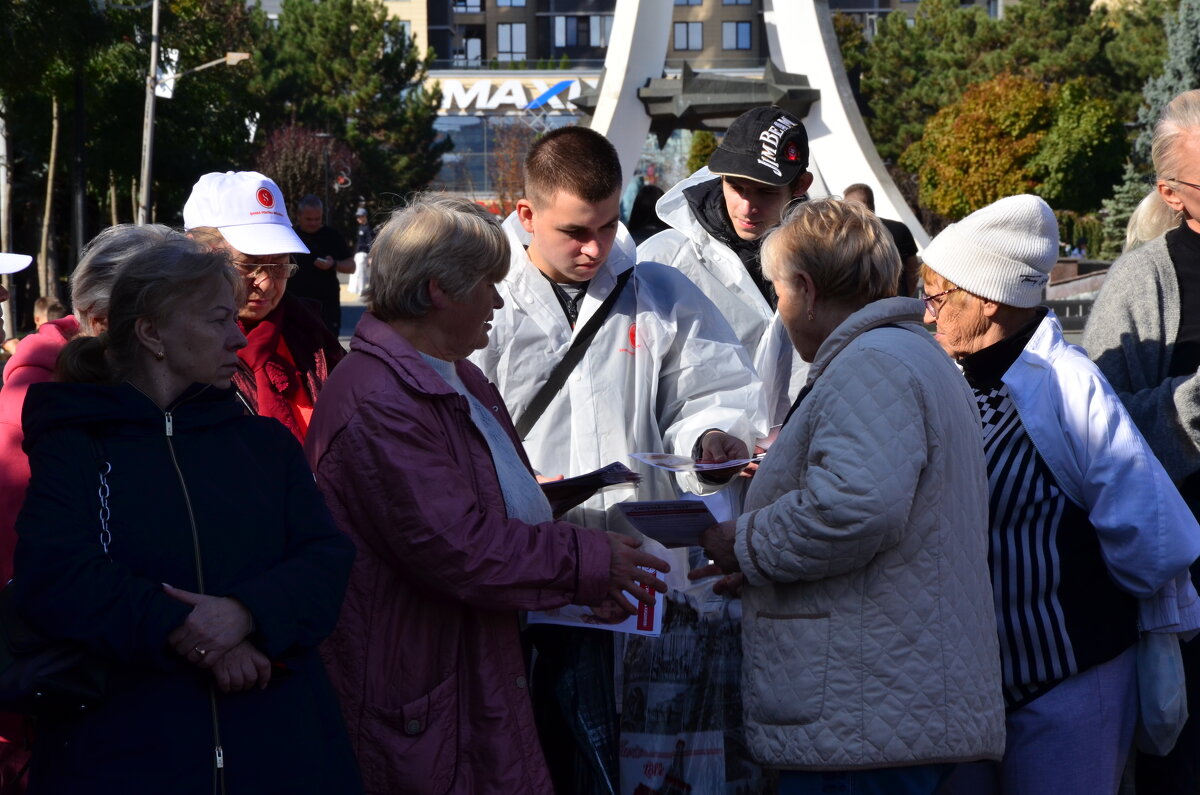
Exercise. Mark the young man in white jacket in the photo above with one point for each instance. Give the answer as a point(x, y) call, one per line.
point(663, 373)
point(719, 216)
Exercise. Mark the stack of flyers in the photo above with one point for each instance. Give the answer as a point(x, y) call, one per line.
point(566, 494)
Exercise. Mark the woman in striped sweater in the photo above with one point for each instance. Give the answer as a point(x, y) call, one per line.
point(1087, 528)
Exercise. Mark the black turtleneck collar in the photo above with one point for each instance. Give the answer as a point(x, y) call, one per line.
point(986, 367)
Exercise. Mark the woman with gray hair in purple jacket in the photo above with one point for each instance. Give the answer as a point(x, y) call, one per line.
point(418, 459)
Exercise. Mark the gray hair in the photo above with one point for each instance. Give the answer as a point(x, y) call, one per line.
point(841, 244)
point(153, 282)
point(452, 240)
point(1179, 117)
point(103, 258)
point(310, 202)
point(1150, 219)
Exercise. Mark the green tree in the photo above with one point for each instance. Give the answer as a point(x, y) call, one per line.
point(704, 143)
point(980, 148)
point(1012, 135)
point(1118, 209)
point(1137, 49)
point(1081, 153)
point(344, 67)
point(1180, 72)
point(913, 71)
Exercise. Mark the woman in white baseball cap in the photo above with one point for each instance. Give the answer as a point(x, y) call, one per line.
point(1088, 536)
point(290, 350)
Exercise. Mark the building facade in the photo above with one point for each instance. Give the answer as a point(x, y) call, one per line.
point(510, 68)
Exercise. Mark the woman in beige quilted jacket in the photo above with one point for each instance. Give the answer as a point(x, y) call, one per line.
point(870, 652)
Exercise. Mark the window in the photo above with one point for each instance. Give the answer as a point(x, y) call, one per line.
point(510, 42)
point(688, 2)
point(735, 2)
point(601, 30)
point(566, 31)
point(689, 36)
point(467, 6)
point(735, 35)
point(406, 26)
point(513, 3)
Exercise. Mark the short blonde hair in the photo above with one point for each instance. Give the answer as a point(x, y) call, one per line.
point(452, 240)
point(849, 254)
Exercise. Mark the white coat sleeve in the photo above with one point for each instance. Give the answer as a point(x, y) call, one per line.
point(705, 378)
point(1147, 534)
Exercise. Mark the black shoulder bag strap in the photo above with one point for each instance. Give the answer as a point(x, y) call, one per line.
point(558, 376)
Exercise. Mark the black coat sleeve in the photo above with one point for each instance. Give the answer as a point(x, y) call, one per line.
point(63, 583)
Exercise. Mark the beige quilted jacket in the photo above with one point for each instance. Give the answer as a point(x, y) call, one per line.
point(869, 636)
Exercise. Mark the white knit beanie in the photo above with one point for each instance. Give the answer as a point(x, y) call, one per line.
point(1003, 253)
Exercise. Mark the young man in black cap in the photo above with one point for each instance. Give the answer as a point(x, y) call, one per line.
point(718, 218)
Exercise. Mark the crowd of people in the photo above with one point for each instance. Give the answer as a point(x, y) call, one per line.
point(307, 569)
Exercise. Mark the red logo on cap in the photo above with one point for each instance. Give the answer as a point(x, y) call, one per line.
point(792, 153)
point(266, 198)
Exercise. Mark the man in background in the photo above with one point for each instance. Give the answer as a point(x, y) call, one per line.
point(903, 238)
point(328, 255)
point(360, 279)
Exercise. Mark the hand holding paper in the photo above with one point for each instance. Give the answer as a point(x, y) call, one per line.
point(632, 572)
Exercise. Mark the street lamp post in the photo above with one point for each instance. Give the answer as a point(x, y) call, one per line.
point(148, 122)
point(152, 83)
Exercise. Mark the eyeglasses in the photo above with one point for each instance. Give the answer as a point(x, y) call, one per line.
point(931, 303)
point(273, 270)
point(1181, 182)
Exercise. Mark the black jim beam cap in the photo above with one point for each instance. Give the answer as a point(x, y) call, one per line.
point(767, 145)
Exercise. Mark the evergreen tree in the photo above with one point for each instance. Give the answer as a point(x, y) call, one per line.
point(345, 68)
point(703, 145)
point(911, 72)
point(1180, 72)
point(1117, 210)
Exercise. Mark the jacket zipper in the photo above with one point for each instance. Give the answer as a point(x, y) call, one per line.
point(218, 751)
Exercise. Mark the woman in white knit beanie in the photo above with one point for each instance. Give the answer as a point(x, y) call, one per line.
point(1086, 526)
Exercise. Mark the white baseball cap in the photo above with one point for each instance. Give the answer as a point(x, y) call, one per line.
point(11, 263)
point(247, 208)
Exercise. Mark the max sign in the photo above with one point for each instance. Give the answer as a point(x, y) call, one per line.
point(487, 94)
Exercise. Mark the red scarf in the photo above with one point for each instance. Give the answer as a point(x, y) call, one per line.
point(277, 381)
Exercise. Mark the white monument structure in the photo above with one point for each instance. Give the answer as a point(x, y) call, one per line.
point(802, 42)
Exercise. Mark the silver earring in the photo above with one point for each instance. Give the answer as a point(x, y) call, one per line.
point(811, 316)
point(159, 355)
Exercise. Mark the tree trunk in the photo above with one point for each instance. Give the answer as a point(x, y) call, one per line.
point(45, 277)
point(112, 197)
